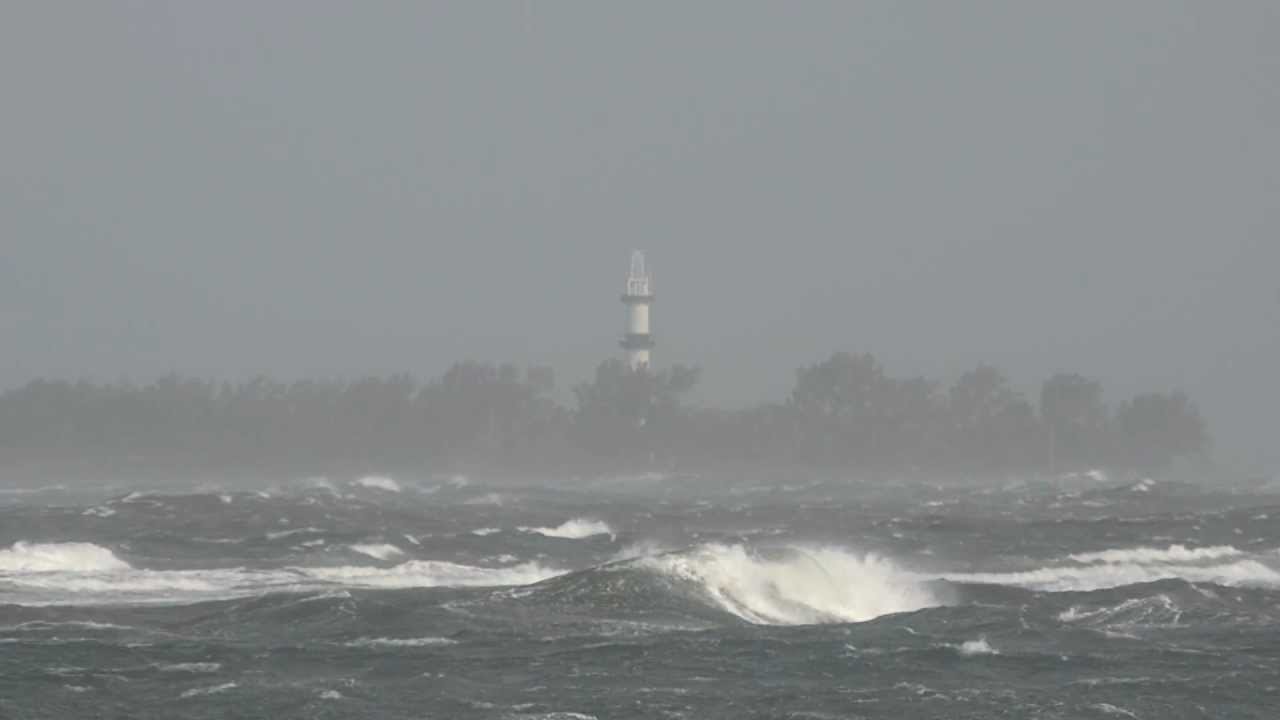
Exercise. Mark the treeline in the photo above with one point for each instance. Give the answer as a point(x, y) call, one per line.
point(843, 412)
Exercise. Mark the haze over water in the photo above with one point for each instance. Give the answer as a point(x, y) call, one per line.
point(313, 191)
point(963, 399)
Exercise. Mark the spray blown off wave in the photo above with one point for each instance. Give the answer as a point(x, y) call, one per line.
point(382, 551)
point(59, 557)
point(1150, 555)
point(432, 573)
point(795, 585)
point(86, 574)
point(575, 529)
point(378, 482)
point(1129, 566)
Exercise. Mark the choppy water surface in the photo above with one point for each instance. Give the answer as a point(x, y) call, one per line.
point(643, 597)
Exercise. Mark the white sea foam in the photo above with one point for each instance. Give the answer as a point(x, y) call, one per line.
point(27, 557)
point(432, 573)
point(1109, 709)
point(379, 482)
point(401, 642)
point(192, 667)
point(642, 548)
point(486, 531)
point(1157, 610)
point(1109, 575)
point(796, 585)
point(575, 529)
point(969, 648)
point(384, 551)
point(87, 574)
point(290, 533)
point(1152, 555)
point(43, 574)
point(39, 625)
point(197, 692)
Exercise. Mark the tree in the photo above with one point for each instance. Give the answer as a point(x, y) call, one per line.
point(626, 412)
point(837, 403)
point(1075, 418)
point(1156, 428)
point(991, 424)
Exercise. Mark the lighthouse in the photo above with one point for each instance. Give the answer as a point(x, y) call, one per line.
point(638, 296)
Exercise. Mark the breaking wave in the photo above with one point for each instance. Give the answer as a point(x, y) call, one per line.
point(383, 551)
point(1150, 555)
point(378, 482)
point(86, 574)
point(969, 648)
point(59, 557)
point(432, 573)
point(401, 642)
point(575, 529)
point(1129, 566)
point(197, 692)
point(795, 585)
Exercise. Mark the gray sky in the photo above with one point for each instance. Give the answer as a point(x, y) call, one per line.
point(336, 188)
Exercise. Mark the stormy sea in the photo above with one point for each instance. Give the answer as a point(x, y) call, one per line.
point(642, 596)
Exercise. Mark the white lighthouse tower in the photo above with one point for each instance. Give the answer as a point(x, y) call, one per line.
point(639, 295)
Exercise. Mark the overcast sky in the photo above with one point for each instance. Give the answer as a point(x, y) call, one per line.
point(338, 188)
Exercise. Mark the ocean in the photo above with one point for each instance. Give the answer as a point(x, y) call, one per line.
point(643, 596)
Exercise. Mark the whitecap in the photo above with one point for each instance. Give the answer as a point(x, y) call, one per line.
point(191, 667)
point(1109, 575)
point(384, 551)
point(196, 692)
point(53, 557)
point(280, 534)
point(796, 585)
point(969, 648)
point(400, 642)
point(575, 529)
point(432, 573)
point(1151, 555)
point(379, 482)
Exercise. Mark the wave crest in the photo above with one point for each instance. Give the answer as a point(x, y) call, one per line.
point(1152, 555)
point(795, 585)
point(1060, 579)
point(575, 529)
point(59, 557)
point(378, 551)
point(432, 573)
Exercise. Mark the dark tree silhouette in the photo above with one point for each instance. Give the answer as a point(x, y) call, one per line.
point(845, 411)
point(991, 425)
point(1154, 429)
point(1075, 418)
